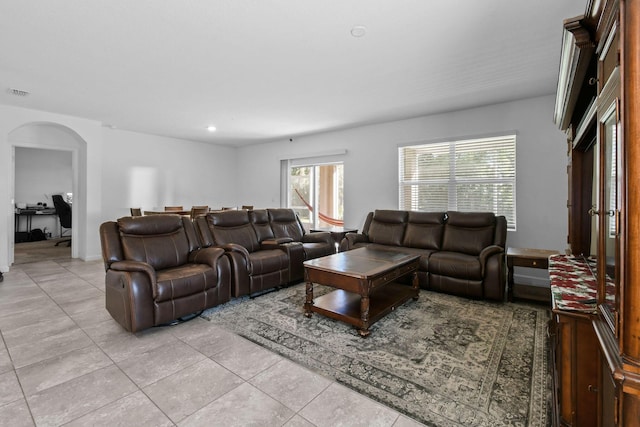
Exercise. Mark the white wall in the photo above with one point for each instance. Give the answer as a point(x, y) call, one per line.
point(371, 164)
point(151, 172)
point(38, 129)
point(105, 161)
point(126, 168)
point(39, 173)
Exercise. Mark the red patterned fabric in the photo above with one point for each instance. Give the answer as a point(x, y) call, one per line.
point(574, 284)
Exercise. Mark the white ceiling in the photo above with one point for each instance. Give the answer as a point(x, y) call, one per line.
point(262, 70)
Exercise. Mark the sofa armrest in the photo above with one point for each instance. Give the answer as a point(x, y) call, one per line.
point(487, 253)
point(350, 240)
point(234, 248)
point(270, 243)
point(208, 256)
point(318, 237)
point(138, 266)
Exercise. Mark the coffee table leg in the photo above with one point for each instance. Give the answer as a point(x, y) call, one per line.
point(415, 284)
point(364, 317)
point(309, 299)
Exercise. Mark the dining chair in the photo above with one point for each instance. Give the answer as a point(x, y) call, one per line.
point(228, 208)
point(136, 211)
point(247, 207)
point(173, 208)
point(197, 211)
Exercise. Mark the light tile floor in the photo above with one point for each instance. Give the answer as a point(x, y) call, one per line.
point(64, 361)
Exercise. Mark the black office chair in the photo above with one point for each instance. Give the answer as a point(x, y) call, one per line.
point(63, 210)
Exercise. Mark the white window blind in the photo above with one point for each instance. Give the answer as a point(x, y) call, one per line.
point(477, 175)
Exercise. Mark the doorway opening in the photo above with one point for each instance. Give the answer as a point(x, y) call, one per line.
point(52, 136)
point(40, 174)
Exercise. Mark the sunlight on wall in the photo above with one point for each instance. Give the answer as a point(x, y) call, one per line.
point(144, 187)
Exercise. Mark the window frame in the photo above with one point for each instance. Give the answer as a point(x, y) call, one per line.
point(314, 161)
point(448, 178)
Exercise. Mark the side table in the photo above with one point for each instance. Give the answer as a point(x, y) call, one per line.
point(337, 233)
point(531, 258)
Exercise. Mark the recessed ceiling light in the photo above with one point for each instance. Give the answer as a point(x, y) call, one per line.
point(358, 31)
point(211, 128)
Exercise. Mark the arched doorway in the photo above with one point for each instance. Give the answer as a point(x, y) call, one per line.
point(53, 136)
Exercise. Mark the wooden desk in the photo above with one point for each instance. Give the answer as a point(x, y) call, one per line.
point(29, 214)
point(531, 258)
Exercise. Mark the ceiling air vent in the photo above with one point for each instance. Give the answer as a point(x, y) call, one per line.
point(17, 92)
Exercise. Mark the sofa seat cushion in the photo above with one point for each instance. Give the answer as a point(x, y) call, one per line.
point(316, 250)
point(268, 261)
point(455, 264)
point(185, 280)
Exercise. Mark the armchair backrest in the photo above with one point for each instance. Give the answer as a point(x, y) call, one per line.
point(470, 232)
point(387, 227)
point(233, 226)
point(424, 230)
point(501, 231)
point(285, 223)
point(260, 220)
point(163, 241)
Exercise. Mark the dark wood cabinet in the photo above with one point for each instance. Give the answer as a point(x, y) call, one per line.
point(575, 356)
point(598, 105)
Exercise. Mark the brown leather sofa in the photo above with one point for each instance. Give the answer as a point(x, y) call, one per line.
point(462, 253)
point(266, 247)
point(156, 271)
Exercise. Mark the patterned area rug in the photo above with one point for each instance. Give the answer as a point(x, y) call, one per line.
point(442, 360)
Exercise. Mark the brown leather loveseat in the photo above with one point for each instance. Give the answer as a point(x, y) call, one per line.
point(156, 271)
point(266, 247)
point(462, 253)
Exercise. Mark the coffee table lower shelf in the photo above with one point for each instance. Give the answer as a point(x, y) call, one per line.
point(346, 306)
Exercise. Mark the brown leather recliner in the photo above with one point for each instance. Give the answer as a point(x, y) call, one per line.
point(285, 223)
point(255, 268)
point(157, 272)
point(461, 253)
point(295, 250)
point(471, 259)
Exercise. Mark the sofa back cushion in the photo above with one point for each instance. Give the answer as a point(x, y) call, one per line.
point(159, 240)
point(110, 243)
point(233, 227)
point(468, 232)
point(388, 227)
point(284, 223)
point(424, 230)
point(260, 220)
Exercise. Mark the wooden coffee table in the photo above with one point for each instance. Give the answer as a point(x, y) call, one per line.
point(364, 281)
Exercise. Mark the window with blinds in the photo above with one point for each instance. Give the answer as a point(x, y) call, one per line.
point(476, 175)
